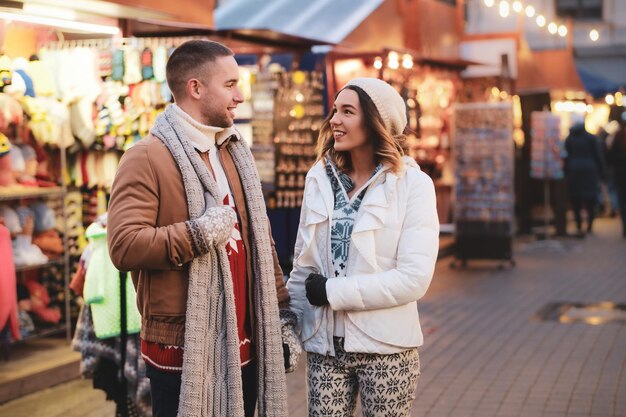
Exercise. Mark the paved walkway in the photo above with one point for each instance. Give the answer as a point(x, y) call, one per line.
point(485, 355)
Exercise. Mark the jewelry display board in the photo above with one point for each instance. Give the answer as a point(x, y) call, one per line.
point(298, 117)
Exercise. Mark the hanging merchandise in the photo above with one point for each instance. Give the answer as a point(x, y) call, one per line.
point(546, 156)
point(484, 181)
point(102, 290)
point(100, 362)
point(8, 296)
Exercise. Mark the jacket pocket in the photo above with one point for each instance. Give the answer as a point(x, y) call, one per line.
point(398, 326)
point(168, 293)
point(311, 321)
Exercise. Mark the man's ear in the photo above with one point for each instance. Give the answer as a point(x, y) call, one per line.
point(193, 88)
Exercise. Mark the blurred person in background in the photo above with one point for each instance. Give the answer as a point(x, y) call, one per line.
point(616, 157)
point(583, 170)
point(606, 135)
point(365, 253)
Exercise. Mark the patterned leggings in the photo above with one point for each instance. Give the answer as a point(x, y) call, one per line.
point(386, 383)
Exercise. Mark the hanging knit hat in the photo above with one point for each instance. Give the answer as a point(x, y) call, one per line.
point(387, 101)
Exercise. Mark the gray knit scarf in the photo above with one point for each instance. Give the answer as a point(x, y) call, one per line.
point(211, 379)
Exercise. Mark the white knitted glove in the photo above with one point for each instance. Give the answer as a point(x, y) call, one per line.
point(292, 346)
point(214, 227)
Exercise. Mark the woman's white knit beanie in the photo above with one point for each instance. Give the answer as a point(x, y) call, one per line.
point(387, 101)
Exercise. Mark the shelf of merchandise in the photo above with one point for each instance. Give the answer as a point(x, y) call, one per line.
point(51, 262)
point(8, 195)
point(47, 331)
point(50, 192)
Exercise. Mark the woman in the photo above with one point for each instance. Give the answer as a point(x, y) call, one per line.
point(365, 253)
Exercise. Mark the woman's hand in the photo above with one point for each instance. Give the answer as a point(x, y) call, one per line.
point(315, 286)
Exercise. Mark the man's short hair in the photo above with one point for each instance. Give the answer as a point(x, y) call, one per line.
point(188, 58)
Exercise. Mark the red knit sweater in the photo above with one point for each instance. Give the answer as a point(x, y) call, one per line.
point(170, 358)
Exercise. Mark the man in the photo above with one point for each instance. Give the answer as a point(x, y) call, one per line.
point(187, 216)
point(616, 157)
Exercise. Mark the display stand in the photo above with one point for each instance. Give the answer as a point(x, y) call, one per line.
point(60, 193)
point(483, 153)
point(546, 165)
point(122, 403)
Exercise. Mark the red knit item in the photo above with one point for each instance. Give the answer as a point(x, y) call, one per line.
point(170, 358)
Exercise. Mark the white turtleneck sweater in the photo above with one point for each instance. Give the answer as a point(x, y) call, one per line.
point(204, 139)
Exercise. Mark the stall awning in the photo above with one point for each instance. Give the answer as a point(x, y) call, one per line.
point(328, 21)
point(601, 70)
point(546, 70)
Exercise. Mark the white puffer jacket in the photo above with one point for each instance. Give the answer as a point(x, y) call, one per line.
point(391, 260)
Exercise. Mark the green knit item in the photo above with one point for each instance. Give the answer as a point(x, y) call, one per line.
point(102, 289)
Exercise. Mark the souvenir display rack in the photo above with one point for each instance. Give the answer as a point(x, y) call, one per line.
point(298, 116)
point(484, 181)
point(546, 162)
point(264, 90)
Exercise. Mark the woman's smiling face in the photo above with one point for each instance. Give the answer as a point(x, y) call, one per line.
point(347, 123)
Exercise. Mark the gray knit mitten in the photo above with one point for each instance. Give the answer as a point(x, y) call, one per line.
point(292, 346)
point(214, 227)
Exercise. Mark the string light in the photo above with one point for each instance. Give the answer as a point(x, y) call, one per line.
point(378, 63)
point(609, 99)
point(619, 99)
point(392, 60)
point(594, 35)
point(541, 21)
point(553, 28)
point(407, 61)
point(504, 8)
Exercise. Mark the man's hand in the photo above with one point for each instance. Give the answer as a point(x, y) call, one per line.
point(315, 286)
point(214, 227)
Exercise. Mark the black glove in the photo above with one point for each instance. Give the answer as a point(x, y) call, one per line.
point(315, 286)
point(286, 355)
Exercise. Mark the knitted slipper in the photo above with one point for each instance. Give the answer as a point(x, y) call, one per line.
point(117, 72)
point(146, 64)
point(159, 63)
point(132, 66)
point(105, 63)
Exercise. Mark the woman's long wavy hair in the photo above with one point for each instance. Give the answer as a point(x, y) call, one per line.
point(388, 149)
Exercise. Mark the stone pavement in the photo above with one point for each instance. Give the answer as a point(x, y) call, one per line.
point(485, 353)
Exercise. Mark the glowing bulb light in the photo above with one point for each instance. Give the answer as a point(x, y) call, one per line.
point(517, 6)
point(530, 11)
point(552, 28)
point(378, 63)
point(504, 8)
point(407, 61)
point(594, 35)
point(541, 21)
point(562, 31)
point(489, 3)
point(609, 99)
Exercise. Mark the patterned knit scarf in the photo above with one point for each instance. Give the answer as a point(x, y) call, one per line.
point(211, 379)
